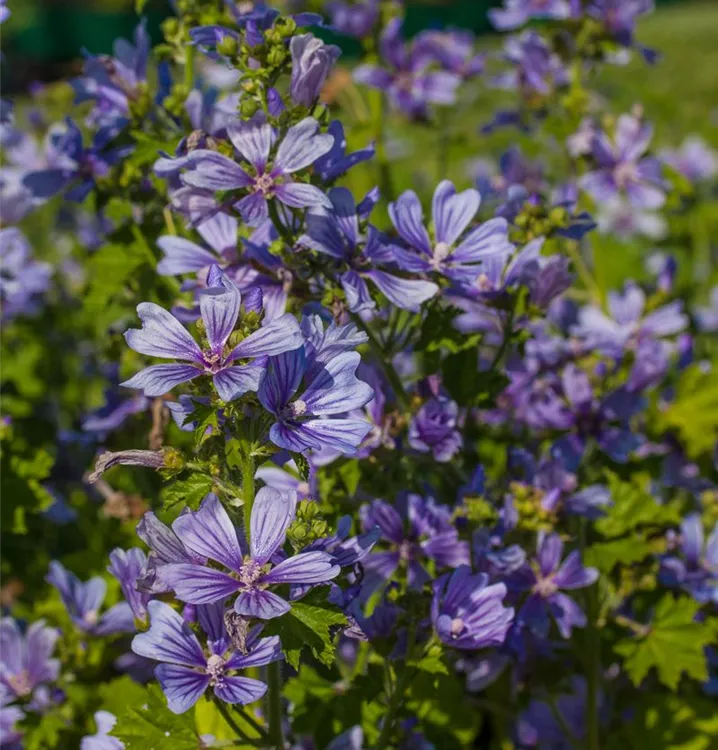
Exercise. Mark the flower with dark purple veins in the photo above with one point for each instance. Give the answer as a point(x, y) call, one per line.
point(354, 19)
point(545, 579)
point(695, 160)
point(312, 61)
point(84, 600)
point(336, 161)
point(266, 171)
point(23, 280)
point(101, 740)
point(307, 389)
point(535, 67)
point(433, 429)
point(406, 76)
point(622, 167)
point(452, 252)
point(209, 532)
point(187, 670)
point(626, 325)
point(467, 612)
point(162, 335)
point(26, 658)
point(417, 531)
point(516, 13)
point(697, 571)
point(128, 567)
point(360, 255)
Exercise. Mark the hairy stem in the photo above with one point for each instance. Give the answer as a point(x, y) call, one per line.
point(241, 734)
point(247, 491)
point(274, 714)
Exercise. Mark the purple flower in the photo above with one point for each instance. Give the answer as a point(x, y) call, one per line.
point(186, 670)
point(9, 717)
point(4, 11)
point(622, 167)
point(337, 234)
point(697, 572)
point(708, 316)
point(23, 279)
point(114, 413)
point(104, 722)
point(336, 161)
point(434, 429)
point(694, 160)
point(162, 335)
point(312, 61)
point(448, 254)
point(453, 50)
point(264, 176)
point(165, 549)
point(619, 18)
point(209, 532)
point(406, 77)
point(467, 613)
point(627, 325)
point(516, 13)
point(417, 530)
point(354, 19)
point(545, 582)
point(25, 659)
point(536, 69)
point(83, 601)
point(306, 388)
point(619, 217)
point(113, 83)
point(184, 256)
point(128, 567)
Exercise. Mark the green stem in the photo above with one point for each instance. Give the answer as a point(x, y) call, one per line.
point(274, 680)
point(574, 252)
point(247, 490)
point(247, 716)
point(378, 106)
point(222, 708)
point(391, 374)
point(508, 335)
point(189, 67)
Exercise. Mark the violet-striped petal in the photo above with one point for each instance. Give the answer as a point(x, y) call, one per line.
point(162, 335)
point(241, 690)
point(182, 687)
point(407, 216)
point(336, 389)
point(196, 584)
point(214, 171)
point(301, 147)
point(279, 335)
point(306, 567)
point(263, 605)
point(160, 379)
point(233, 382)
point(169, 638)
point(272, 513)
point(452, 212)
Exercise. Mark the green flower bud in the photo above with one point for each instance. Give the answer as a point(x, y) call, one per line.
point(228, 46)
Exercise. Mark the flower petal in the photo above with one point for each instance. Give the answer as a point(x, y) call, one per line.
point(196, 584)
point(253, 139)
point(306, 567)
point(261, 604)
point(233, 382)
point(242, 690)
point(336, 389)
point(301, 195)
point(219, 308)
point(182, 686)
point(407, 294)
point(452, 212)
point(272, 513)
point(182, 256)
point(301, 146)
point(408, 217)
point(214, 171)
point(169, 638)
point(284, 374)
point(160, 379)
point(162, 335)
point(276, 337)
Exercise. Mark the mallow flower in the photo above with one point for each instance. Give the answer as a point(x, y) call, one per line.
point(354, 19)
point(515, 13)
point(623, 168)
point(434, 429)
point(452, 252)
point(128, 567)
point(695, 160)
point(102, 740)
point(306, 389)
point(361, 255)
point(186, 670)
point(545, 581)
point(26, 658)
point(467, 612)
point(84, 600)
point(162, 335)
point(23, 279)
point(209, 532)
point(312, 61)
point(337, 161)
point(266, 167)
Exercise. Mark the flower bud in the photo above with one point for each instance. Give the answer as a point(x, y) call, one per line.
point(312, 61)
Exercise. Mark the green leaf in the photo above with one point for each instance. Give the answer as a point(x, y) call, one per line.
point(633, 506)
point(693, 413)
point(308, 625)
point(350, 472)
point(673, 645)
point(189, 491)
point(605, 556)
point(148, 723)
point(439, 334)
point(430, 664)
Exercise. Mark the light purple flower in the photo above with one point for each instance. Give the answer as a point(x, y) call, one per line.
point(454, 50)
point(708, 316)
point(695, 160)
point(84, 600)
point(448, 254)
point(267, 167)
point(162, 335)
point(619, 19)
point(361, 255)
point(622, 167)
point(406, 76)
point(535, 68)
point(26, 658)
point(104, 722)
point(545, 583)
point(416, 531)
point(312, 61)
point(128, 567)
point(187, 670)
point(308, 388)
point(467, 613)
point(434, 429)
point(9, 717)
point(354, 19)
point(209, 532)
point(516, 13)
point(336, 161)
point(23, 279)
